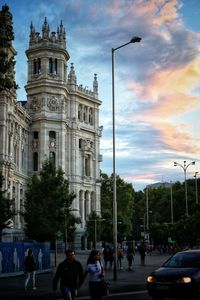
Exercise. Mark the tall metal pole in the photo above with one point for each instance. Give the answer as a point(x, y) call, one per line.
point(184, 167)
point(147, 208)
point(114, 172)
point(172, 206)
point(186, 198)
point(196, 190)
point(95, 233)
point(133, 40)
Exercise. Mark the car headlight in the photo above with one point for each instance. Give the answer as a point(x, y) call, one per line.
point(150, 278)
point(184, 280)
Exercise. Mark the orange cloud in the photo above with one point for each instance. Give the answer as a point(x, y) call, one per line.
point(158, 11)
point(171, 91)
point(174, 137)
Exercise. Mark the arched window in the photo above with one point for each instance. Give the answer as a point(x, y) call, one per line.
point(85, 114)
point(35, 135)
point(50, 65)
point(80, 143)
point(55, 66)
point(37, 66)
point(35, 161)
point(91, 116)
point(52, 134)
point(87, 166)
point(80, 112)
point(34, 66)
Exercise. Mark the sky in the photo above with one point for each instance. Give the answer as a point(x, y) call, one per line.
point(157, 81)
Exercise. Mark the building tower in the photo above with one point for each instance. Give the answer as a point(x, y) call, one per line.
point(63, 121)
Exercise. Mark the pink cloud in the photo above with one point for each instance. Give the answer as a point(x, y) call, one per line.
point(170, 91)
point(175, 138)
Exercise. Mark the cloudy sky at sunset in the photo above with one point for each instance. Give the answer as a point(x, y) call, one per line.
point(157, 81)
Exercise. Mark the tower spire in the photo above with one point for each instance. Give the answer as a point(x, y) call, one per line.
point(45, 30)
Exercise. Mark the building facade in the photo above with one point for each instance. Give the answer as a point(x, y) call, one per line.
point(59, 120)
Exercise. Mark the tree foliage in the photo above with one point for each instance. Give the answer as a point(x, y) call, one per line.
point(124, 198)
point(184, 229)
point(47, 204)
point(6, 210)
point(7, 61)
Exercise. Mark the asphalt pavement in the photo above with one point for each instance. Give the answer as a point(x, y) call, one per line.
point(12, 288)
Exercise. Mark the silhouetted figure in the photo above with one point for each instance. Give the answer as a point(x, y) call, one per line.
point(30, 267)
point(130, 255)
point(142, 251)
point(108, 256)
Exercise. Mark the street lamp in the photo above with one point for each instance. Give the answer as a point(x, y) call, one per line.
point(171, 204)
point(133, 40)
point(196, 190)
point(184, 167)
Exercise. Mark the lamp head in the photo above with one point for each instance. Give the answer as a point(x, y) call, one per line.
point(193, 163)
point(135, 39)
point(175, 164)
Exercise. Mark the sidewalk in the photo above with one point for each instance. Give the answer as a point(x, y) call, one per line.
point(12, 288)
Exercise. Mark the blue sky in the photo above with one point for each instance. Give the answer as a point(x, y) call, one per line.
point(157, 81)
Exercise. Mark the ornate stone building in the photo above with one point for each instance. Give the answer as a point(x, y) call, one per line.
point(59, 120)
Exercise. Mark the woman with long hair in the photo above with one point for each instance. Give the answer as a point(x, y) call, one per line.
point(95, 270)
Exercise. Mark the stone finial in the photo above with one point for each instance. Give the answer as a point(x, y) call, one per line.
point(32, 35)
point(95, 84)
point(72, 75)
point(45, 30)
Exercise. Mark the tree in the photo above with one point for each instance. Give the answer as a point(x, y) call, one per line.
point(125, 198)
point(7, 61)
point(6, 211)
point(47, 204)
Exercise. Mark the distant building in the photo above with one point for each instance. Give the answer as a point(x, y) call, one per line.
point(59, 120)
point(158, 185)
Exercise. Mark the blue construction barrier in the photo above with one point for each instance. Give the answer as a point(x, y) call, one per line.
point(12, 256)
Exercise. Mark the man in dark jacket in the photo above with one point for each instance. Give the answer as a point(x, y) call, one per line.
point(71, 275)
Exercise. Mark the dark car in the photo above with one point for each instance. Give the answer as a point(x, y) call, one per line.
point(178, 277)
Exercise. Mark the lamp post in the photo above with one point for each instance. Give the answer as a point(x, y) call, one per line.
point(133, 40)
point(184, 167)
point(196, 190)
point(171, 204)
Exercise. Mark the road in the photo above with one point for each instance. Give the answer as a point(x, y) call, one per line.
point(138, 295)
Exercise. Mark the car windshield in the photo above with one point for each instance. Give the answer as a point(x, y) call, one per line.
point(184, 260)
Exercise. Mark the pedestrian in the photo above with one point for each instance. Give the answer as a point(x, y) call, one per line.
point(119, 257)
point(30, 267)
point(70, 273)
point(130, 256)
point(95, 270)
point(142, 251)
point(108, 256)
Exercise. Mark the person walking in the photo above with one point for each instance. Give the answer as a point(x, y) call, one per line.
point(108, 256)
point(119, 257)
point(142, 251)
point(30, 267)
point(95, 270)
point(130, 255)
point(70, 273)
